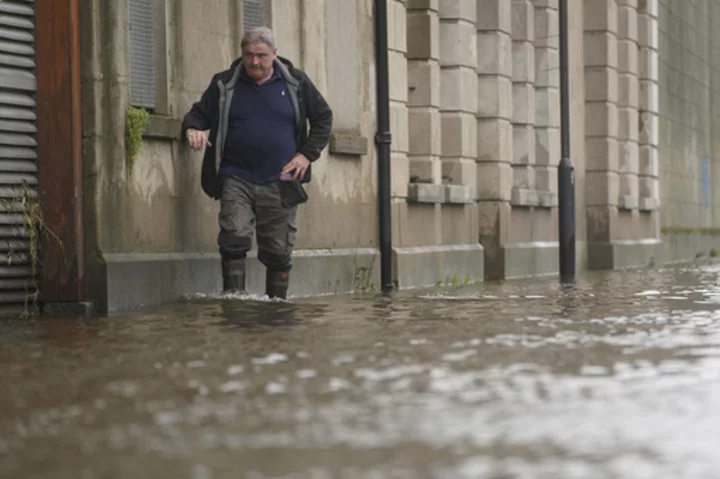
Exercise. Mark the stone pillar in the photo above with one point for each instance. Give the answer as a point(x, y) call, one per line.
point(423, 51)
point(649, 167)
point(458, 80)
point(523, 88)
point(628, 92)
point(547, 99)
point(494, 129)
point(397, 47)
point(601, 145)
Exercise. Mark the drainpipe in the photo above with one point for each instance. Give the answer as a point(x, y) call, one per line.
point(566, 173)
point(383, 139)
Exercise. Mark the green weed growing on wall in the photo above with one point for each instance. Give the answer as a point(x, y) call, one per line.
point(668, 230)
point(136, 122)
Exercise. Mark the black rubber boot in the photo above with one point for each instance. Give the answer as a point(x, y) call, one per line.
point(233, 272)
point(276, 284)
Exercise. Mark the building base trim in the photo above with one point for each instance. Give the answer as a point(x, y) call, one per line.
point(623, 254)
point(424, 266)
point(536, 258)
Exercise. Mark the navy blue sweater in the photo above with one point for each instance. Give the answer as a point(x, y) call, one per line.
point(261, 130)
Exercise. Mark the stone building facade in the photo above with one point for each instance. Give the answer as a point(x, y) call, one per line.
point(483, 114)
point(475, 119)
point(689, 79)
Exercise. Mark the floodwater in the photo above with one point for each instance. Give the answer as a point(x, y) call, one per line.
point(616, 377)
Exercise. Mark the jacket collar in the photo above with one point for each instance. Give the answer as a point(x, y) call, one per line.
point(281, 64)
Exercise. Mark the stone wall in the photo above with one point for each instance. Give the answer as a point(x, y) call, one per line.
point(152, 224)
point(621, 133)
point(689, 72)
point(475, 120)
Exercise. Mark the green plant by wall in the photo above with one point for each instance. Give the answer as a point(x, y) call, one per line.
point(136, 122)
point(455, 281)
point(362, 282)
point(669, 230)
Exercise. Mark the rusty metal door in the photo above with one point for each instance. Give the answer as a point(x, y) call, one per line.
point(18, 153)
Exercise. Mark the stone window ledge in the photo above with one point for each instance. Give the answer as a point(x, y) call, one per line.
point(163, 128)
point(459, 194)
point(348, 143)
point(341, 143)
point(533, 198)
point(648, 204)
point(641, 203)
point(628, 203)
point(438, 194)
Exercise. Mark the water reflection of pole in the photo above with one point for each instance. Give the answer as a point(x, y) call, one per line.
point(566, 174)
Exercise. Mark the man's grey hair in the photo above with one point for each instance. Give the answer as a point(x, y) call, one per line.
point(257, 35)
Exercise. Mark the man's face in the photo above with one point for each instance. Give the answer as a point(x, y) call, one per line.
point(258, 60)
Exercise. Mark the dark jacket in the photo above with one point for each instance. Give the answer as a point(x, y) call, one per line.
point(211, 113)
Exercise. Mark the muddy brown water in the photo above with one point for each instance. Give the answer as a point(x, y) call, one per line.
point(617, 376)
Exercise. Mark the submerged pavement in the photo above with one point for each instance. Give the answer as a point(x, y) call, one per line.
point(616, 377)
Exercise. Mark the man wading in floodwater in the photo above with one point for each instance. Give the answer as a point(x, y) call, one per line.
point(258, 152)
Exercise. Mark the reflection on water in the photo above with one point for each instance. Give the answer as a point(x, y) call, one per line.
point(617, 376)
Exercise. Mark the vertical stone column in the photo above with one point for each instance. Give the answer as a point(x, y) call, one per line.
point(458, 80)
point(649, 167)
point(397, 46)
point(494, 129)
point(547, 99)
point(628, 102)
point(523, 89)
point(423, 48)
point(601, 146)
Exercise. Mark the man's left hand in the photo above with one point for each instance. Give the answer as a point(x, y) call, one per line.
point(298, 165)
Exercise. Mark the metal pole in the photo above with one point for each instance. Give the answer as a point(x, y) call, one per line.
point(566, 173)
point(383, 140)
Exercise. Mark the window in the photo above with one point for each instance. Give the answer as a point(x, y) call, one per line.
point(142, 56)
point(252, 14)
point(147, 54)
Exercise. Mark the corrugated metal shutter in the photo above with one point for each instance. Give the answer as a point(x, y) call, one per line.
point(18, 155)
point(142, 57)
point(252, 14)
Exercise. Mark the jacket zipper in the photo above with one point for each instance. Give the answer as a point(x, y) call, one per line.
point(220, 137)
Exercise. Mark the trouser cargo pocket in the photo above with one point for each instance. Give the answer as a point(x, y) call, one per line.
point(292, 193)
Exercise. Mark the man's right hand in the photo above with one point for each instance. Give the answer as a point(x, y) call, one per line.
point(197, 139)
